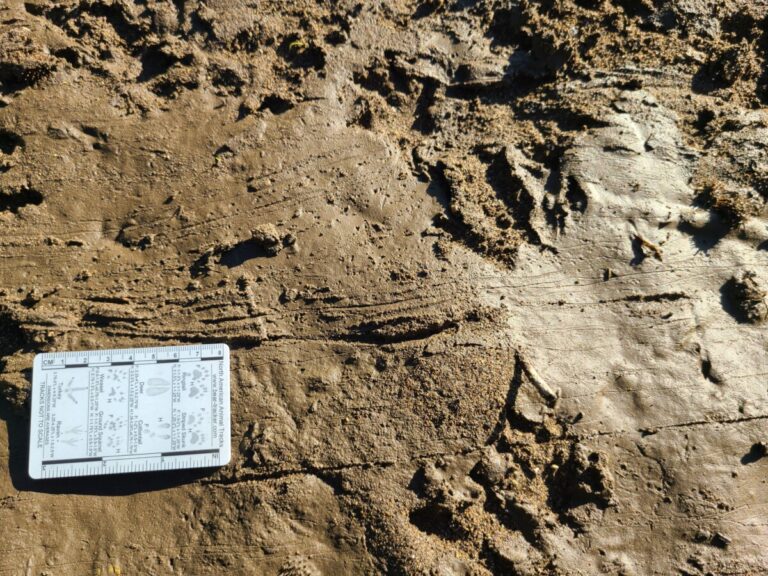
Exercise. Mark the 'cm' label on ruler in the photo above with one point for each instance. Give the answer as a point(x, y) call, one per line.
point(129, 410)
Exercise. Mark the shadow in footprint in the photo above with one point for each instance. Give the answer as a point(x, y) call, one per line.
point(244, 251)
point(706, 237)
point(730, 299)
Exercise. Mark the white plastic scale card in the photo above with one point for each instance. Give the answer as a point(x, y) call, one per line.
point(131, 410)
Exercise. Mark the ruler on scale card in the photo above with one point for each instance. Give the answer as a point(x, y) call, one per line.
point(129, 410)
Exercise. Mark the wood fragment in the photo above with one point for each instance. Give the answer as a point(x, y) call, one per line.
point(550, 395)
point(645, 243)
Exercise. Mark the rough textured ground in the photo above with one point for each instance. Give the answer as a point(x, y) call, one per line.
point(493, 274)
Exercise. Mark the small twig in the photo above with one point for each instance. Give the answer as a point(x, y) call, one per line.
point(551, 396)
point(645, 243)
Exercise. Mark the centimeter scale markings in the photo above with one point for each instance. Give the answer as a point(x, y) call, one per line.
point(129, 410)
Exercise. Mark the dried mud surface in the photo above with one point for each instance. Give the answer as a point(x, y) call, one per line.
point(493, 274)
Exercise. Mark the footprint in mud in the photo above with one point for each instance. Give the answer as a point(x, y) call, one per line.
point(14, 198)
point(299, 566)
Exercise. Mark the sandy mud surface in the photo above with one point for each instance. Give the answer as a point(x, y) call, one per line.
point(493, 274)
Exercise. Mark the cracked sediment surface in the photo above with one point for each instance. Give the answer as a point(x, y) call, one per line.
point(493, 275)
